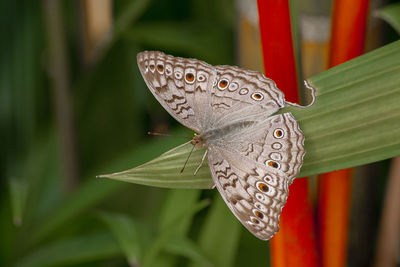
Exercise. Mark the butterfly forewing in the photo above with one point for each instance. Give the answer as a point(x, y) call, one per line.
point(180, 85)
point(240, 95)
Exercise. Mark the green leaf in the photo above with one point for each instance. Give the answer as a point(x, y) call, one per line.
point(38, 170)
point(129, 235)
point(88, 195)
point(355, 120)
point(174, 202)
point(219, 238)
point(94, 191)
point(184, 199)
point(18, 195)
point(132, 11)
point(74, 250)
point(164, 171)
point(181, 245)
point(192, 38)
point(169, 231)
point(390, 14)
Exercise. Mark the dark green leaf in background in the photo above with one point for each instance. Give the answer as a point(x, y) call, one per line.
point(89, 247)
point(129, 235)
point(219, 237)
point(391, 14)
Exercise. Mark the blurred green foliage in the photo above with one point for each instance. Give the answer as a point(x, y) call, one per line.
point(391, 14)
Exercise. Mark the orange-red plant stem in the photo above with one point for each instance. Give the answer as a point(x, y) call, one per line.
point(347, 41)
point(349, 22)
point(295, 243)
point(333, 216)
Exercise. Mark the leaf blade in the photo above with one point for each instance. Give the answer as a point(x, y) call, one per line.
point(73, 250)
point(128, 233)
point(163, 171)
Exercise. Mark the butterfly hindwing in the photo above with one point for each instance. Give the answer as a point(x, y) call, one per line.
point(254, 195)
point(253, 168)
point(276, 143)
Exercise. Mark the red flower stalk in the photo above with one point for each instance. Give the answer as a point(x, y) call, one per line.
point(295, 243)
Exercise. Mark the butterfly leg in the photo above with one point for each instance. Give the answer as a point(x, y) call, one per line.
point(201, 163)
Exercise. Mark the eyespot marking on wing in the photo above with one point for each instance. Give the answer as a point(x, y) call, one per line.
point(189, 76)
point(279, 133)
point(201, 76)
point(262, 187)
point(275, 156)
point(233, 87)
point(243, 91)
point(273, 164)
point(160, 68)
point(178, 74)
point(257, 96)
point(168, 69)
point(222, 84)
point(152, 66)
point(259, 214)
point(276, 145)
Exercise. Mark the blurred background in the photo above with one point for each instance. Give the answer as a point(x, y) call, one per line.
point(73, 105)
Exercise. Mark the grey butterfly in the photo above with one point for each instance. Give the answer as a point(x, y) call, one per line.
point(253, 155)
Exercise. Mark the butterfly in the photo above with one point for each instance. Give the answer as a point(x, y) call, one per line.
point(253, 154)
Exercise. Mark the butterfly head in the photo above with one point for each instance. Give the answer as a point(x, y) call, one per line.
point(198, 141)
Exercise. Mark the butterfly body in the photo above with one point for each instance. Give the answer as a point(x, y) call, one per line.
point(253, 155)
point(219, 135)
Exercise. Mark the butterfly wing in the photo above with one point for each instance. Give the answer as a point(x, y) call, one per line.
point(239, 95)
point(277, 142)
point(252, 171)
point(181, 86)
point(201, 96)
point(239, 185)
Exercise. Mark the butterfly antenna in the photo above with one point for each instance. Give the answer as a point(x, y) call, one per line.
point(187, 159)
point(170, 135)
